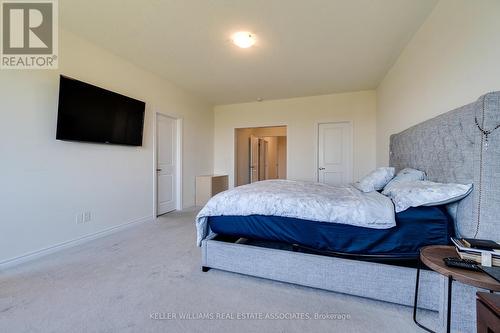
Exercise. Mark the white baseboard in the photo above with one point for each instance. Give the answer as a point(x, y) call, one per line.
point(64, 245)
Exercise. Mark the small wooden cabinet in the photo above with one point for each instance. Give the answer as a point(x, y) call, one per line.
point(209, 185)
point(488, 312)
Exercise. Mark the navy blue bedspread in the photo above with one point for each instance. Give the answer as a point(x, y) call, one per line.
point(415, 228)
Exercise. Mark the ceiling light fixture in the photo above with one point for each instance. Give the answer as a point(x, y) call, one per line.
point(243, 39)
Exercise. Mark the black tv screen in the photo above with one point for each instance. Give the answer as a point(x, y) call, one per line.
point(92, 114)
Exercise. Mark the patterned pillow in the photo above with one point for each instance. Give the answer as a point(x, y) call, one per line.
point(424, 193)
point(375, 180)
point(405, 175)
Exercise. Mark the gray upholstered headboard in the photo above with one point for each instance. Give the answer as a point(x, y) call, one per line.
point(451, 148)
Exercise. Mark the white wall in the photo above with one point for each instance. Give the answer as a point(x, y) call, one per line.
point(272, 157)
point(44, 183)
point(452, 60)
point(282, 157)
point(301, 115)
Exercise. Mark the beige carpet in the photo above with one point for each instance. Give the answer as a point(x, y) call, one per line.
point(117, 283)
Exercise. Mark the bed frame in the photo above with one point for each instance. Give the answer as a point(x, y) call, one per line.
point(449, 148)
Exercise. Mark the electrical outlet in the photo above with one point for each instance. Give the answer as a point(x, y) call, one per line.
point(87, 217)
point(79, 218)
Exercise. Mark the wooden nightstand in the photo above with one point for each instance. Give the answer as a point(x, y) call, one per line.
point(432, 257)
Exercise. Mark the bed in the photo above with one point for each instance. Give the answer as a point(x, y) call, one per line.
point(449, 149)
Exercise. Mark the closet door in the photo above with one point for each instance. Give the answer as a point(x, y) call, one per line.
point(335, 153)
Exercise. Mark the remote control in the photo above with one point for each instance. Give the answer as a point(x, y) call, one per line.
point(462, 263)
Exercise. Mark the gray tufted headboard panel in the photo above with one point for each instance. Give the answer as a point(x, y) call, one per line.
point(451, 148)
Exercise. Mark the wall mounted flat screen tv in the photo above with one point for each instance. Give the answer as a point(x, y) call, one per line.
point(91, 114)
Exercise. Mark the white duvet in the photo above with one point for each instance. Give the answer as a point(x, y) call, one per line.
point(303, 200)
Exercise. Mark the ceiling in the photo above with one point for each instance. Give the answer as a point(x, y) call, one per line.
point(304, 47)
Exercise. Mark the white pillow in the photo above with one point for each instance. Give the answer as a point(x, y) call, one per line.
point(405, 175)
point(424, 193)
point(375, 180)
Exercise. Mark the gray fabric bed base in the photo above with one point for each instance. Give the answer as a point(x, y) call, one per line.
point(323, 272)
point(377, 281)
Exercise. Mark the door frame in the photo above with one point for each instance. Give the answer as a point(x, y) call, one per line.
point(234, 137)
point(178, 160)
point(316, 150)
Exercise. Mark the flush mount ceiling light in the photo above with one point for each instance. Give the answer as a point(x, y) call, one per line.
point(243, 39)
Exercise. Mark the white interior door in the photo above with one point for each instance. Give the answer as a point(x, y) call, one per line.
point(166, 131)
point(335, 153)
point(254, 158)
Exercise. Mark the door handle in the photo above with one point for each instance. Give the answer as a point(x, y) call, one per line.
point(158, 170)
point(321, 168)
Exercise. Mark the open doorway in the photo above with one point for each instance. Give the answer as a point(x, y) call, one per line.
point(261, 154)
